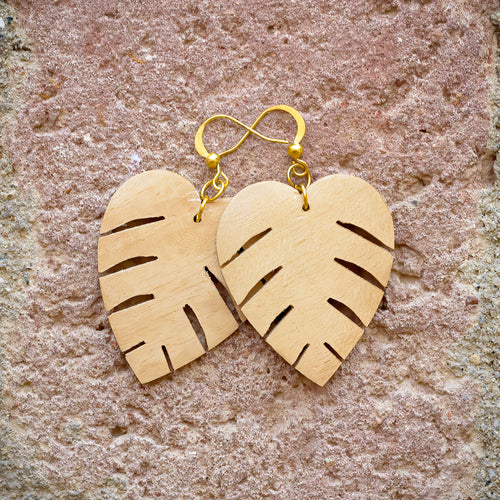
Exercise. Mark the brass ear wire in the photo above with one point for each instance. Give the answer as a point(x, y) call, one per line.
point(295, 151)
point(220, 181)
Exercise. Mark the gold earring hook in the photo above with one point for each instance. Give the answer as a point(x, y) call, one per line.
point(301, 130)
point(220, 182)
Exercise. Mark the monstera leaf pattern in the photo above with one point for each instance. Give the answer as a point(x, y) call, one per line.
point(308, 281)
point(160, 275)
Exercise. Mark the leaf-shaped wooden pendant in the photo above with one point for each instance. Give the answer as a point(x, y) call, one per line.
point(308, 281)
point(160, 271)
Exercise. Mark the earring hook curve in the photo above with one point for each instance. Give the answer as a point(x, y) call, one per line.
point(301, 130)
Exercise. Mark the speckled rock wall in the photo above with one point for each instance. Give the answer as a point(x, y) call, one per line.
point(400, 93)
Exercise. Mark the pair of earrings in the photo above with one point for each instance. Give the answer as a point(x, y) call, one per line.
point(305, 264)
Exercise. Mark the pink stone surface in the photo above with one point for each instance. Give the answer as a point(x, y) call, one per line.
point(394, 92)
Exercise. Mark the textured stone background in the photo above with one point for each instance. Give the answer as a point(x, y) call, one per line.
point(401, 93)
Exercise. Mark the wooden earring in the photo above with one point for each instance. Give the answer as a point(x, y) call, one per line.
point(160, 277)
point(307, 265)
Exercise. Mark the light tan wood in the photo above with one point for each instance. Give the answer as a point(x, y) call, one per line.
point(264, 229)
point(176, 278)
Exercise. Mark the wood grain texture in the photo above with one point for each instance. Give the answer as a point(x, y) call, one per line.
point(154, 259)
point(308, 281)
